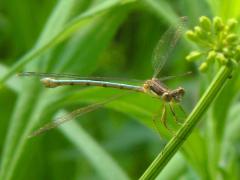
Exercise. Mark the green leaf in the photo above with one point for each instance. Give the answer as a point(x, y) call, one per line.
point(61, 34)
point(19, 134)
point(100, 160)
point(13, 83)
point(163, 9)
point(224, 8)
point(178, 164)
point(26, 99)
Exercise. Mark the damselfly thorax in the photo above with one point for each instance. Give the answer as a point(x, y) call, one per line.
point(156, 87)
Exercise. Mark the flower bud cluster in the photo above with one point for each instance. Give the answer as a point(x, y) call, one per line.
point(217, 41)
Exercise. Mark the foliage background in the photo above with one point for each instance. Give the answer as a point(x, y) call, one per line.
point(114, 39)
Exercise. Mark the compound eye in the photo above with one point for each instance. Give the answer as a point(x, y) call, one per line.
point(146, 87)
point(182, 91)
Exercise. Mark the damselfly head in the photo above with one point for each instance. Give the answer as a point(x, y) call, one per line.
point(146, 86)
point(177, 94)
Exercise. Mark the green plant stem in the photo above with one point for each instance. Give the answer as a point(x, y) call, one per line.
point(194, 117)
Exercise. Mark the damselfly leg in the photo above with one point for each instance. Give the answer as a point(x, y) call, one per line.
point(173, 113)
point(162, 115)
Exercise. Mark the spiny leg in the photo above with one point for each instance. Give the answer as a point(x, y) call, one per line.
point(163, 119)
point(173, 113)
point(155, 118)
point(164, 116)
point(180, 107)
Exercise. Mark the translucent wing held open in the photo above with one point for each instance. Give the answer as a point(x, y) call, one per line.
point(166, 45)
point(175, 76)
point(73, 76)
point(74, 114)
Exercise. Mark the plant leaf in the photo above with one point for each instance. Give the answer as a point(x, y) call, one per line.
point(93, 151)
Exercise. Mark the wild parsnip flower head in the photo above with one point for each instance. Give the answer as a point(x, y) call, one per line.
point(217, 41)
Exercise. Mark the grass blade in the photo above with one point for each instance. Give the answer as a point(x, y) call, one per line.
point(96, 155)
point(67, 30)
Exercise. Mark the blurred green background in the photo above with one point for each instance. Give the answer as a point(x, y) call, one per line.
point(109, 38)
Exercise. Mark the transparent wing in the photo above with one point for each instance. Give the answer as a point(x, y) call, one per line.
point(43, 75)
point(72, 76)
point(74, 114)
point(174, 76)
point(166, 44)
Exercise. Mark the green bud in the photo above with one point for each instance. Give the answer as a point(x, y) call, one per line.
point(211, 56)
point(232, 23)
point(205, 23)
point(192, 36)
point(221, 59)
point(203, 67)
point(198, 29)
point(217, 24)
point(199, 32)
point(232, 38)
point(226, 51)
point(193, 55)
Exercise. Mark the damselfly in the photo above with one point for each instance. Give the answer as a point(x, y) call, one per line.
point(154, 86)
